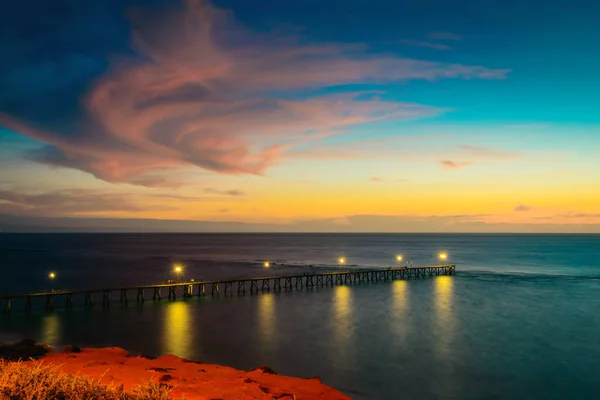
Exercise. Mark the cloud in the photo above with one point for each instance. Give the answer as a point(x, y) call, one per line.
point(225, 192)
point(448, 36)
point(447, 164)
point(487, 153)
point(376, 180)
point(223, 210)
point(196, 90)
point(352, 223)
point(71, 202)
point(523, 207)
point(422, 43)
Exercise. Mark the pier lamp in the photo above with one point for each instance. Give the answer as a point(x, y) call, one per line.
point(399, 258)
point(443, 256)
point(52, 275)
point(178, 270)
point(342, 260)
point(267, 264)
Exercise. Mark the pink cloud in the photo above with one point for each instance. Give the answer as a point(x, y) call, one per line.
point(207, 93)
point(454, 165)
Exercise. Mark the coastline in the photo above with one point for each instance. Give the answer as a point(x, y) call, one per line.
point(193, 380)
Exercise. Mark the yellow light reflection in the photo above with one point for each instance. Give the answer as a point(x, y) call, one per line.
point(177, 330)
point(51, 330)
point(342, 302)
point(399, 308)
point(266, 321)
point(400, 296)
point(444, 313)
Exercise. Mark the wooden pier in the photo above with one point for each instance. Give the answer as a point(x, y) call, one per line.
point(226, 287)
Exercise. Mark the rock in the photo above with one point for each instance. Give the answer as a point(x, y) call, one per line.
point(265, 370)
point(264, 389)
point(70, 349)
point(24, 350)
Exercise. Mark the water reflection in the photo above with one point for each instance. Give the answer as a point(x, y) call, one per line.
point(400, 297)
point(50, 330)
point(266, 321)
point(342, 325)
point(177, 337)
point(399, 308)
point(444, 313)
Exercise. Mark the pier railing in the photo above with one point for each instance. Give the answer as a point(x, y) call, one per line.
point(227, 286)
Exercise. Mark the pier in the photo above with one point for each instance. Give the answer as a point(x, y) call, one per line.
point(241, 286)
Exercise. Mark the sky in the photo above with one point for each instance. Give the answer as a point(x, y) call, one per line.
point(300, 115)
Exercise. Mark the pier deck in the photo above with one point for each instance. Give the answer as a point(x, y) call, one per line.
point(227, 286)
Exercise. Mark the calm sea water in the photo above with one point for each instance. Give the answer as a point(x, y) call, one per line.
point(520, 320)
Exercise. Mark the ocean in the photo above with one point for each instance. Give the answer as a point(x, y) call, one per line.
point(519, 320)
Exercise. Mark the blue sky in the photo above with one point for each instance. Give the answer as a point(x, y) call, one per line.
point(136, 99)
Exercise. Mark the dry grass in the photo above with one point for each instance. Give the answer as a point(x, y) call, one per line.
point(38, 381)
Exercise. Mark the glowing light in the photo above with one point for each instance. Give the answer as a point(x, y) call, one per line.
point(443, 256)
point(267, 264)
point(399, 258)
point(52, 275)
point(342, 260)
point(178, 268)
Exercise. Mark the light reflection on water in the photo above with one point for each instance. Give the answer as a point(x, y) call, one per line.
point(177, 330)
point(343, 328)
point(400, 305)
point(51, 330)
point(267, 322)
point(443, 293)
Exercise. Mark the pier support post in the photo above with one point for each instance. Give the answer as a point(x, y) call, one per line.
point(106, 298)
point(123, 296)
point(28, 304)
point(140, 296)
point(69, 301)
point(156, 295)
point(265, 285)
point(48, 302)
point(215, 288)
point(88, 299)
point(6, 305)
point(241, 287)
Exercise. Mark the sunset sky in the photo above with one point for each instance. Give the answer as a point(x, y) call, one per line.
point(300, 115)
